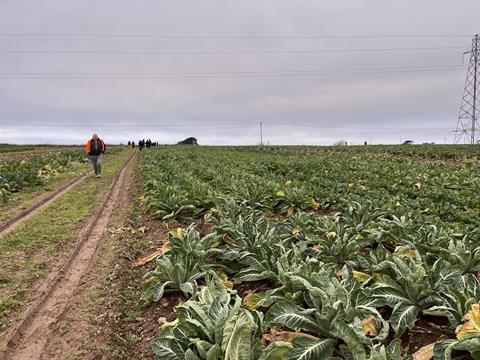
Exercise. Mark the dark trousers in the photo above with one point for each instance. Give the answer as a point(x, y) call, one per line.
point(97, 163)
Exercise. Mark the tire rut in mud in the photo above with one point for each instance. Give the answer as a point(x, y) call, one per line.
point(29, 337)
point(11, 224)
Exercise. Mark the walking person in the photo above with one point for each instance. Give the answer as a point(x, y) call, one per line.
point(96, 149)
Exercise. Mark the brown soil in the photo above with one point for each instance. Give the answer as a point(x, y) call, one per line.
point(424, 333)
point(250, 287)
point(203, 227)
point(101, 320)
point(141, 329)
point(29, 339)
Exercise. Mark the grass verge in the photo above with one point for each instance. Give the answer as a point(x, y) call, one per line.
point(26, 198)
point(27, 253)
point(18, 202)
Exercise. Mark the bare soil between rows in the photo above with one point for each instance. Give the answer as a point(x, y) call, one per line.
point(101, 320)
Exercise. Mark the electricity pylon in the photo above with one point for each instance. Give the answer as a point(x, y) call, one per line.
point(468, 120)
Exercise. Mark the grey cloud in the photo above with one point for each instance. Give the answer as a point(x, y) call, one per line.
point(319, 109)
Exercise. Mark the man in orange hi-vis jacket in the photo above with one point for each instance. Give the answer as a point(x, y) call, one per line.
point(95, 150)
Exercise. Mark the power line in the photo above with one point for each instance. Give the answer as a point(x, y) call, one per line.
point(415, 67)
point(212, 36)
point(360, 127)
point(210, 75)
point(221, 52)
point(224, 125)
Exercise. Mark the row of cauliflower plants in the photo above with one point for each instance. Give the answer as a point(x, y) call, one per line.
point(348, 285)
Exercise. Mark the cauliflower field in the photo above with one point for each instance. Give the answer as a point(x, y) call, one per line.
point(316, 254)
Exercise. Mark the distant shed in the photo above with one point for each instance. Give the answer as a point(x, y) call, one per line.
point(188, 141)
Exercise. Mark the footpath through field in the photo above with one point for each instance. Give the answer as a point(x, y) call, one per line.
point(55, 247)
point(12, 223)
point(29, 202)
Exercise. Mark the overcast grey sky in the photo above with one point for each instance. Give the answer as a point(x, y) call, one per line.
point(216, 68)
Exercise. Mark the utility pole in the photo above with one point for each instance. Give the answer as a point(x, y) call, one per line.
point(261, 134)
point(467, 124)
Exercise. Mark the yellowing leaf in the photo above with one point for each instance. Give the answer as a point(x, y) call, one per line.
point(350, 185)
point(179, 233)
point(411, 254)
point(166, 247)
point(148, 258)
point(280, 194)
point(418, 185)
point(251, 301)
point(330, 234)
point(313, 203)
point(370, 326)
point(170, 324)
point(296, 230)
point(228, 284)
point(363, 187)
point(398, 204)
point(284, 336)
point(471, 329)
point(290, 211)
point(360, 276)
point(424, 353)
point(288, 182)
point(406, 252)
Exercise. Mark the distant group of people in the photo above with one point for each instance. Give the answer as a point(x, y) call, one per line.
point(142, 144)
point(96, 148)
